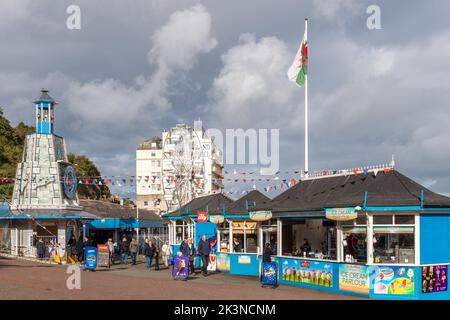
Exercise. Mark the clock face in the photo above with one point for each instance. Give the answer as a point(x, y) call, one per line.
point(70, 182)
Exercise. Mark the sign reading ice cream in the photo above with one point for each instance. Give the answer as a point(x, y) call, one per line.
point(354, 278)
point(341, 214)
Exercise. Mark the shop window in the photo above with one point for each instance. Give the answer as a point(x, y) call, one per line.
point(245, 237)
point(393, 247)
point(309, 238)
point(269, 232)
point(394, 242)
point(361, 219)
point(383, 219)
point(181, 231)
point(355, 244)
point(224, 237)
point(403, 219)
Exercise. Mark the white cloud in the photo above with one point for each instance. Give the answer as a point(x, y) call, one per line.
point(102, 109)
point(187, 33)
point(253, 83)
point(331, 9)
point(176, 47)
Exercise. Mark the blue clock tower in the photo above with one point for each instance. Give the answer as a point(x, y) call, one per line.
point(45, 113)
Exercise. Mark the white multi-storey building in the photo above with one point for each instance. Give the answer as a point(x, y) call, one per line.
point(149, 189)
point(190, 166)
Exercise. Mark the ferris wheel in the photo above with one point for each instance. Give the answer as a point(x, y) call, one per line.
point(183, 165)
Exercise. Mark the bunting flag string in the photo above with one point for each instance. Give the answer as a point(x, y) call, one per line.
point(149, 181)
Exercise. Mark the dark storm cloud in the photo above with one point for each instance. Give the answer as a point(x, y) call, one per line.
point(372, 93)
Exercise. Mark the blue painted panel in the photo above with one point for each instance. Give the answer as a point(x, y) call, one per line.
point(203, 228)
point(4, 208)
point(434, 239)
point(244, 264)
point(44, 128)
point(123, 223)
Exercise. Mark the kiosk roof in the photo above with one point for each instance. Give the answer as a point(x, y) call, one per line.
point(384, 189)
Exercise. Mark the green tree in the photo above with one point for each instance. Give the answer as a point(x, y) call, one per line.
point(11, 147)
point(85, 168)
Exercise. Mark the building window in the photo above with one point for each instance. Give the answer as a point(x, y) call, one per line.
point(224, 231)
point(182, 230)
point(354, 244)
point(245, 237)
point(145, 204)
point(309, 238)
point(269, 235)
point(393, 239)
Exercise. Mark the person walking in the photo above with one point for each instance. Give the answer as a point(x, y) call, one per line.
point(166, 253)
point(203, 251)
point(111, 246)
point(156, 258)
point(191, 255)
point(188, 250)
point(80, 249)
point(149, 251)
point(266, 258)
point(71, 246)
point(124, 250)
point(86, 243)
point(133, 251)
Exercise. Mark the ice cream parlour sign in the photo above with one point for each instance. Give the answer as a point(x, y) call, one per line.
point(341, 214)
point(260, 215)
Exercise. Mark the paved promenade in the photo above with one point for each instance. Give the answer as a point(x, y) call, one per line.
point(20, 279)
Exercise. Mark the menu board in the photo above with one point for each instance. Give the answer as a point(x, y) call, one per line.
point(434, 278)
point(223, 262)
point(103, 256)
point(212, 265)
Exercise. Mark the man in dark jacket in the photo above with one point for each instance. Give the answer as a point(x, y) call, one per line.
point(72, 246)
point(86, 243)
point(188, 250)
point(203, 251)
point(124, 250)
point(149, 251)
point(80, 249)
point(267, 253)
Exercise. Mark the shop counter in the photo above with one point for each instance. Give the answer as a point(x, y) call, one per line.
point(247, 264)
point(388, 282)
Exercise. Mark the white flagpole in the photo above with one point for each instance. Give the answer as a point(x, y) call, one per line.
point(306, 106)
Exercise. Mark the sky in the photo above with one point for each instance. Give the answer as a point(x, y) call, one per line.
point(136, 68)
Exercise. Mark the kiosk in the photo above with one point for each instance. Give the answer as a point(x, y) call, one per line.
point(371, 232)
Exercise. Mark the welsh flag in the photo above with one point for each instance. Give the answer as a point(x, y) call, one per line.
point(299, 68)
